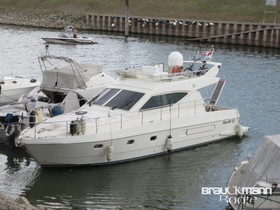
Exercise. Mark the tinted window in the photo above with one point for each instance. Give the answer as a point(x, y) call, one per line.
point(173, 98)
point(163, 100)
point(105, 95)
point(124, 99)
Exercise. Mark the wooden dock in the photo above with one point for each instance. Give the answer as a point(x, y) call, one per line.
point(254, 34)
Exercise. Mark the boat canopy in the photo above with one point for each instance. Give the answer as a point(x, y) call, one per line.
point(66, 78)
point(264, 165)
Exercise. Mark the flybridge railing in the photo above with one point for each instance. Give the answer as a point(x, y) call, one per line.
point(190, 69)
point(116, 122)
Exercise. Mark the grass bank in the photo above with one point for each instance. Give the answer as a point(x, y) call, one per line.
point(219, 10)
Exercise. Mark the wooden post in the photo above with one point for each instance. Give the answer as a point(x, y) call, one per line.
point(126, 17)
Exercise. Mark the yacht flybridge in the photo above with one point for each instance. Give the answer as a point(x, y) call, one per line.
point(145, 112)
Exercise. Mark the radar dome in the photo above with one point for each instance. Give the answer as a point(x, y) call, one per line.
point(175, 59)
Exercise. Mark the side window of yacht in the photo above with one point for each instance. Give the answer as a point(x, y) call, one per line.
point(173, 98)
point(163, 100)
point(105, 96)
point(124, 99)
point(154, 101)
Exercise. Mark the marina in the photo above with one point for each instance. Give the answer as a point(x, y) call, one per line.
point(227, 32)
point(164, 182)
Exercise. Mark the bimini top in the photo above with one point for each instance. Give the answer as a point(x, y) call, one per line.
point(264, 165)
point(71, 76)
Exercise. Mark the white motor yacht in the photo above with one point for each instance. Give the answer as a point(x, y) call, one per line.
point(255, 183)
point(147, 111)
point(66, 86)
point(12, 87)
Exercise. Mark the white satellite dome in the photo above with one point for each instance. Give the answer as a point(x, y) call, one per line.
point(175, 59)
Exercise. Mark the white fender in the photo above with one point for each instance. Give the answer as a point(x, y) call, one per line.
point(38, 115)
point(78, 127)
point(83, 125)
point(239, 130)
point(169, 145)
point(110, 151)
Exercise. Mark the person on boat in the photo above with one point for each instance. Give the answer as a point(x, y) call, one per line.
point(75, 32)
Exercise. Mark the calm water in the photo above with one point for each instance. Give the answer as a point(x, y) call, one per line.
point(164, 182)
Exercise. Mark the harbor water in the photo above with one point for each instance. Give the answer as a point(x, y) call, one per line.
point(172, 181)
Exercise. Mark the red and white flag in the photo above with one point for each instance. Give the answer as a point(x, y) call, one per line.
point(208, 54)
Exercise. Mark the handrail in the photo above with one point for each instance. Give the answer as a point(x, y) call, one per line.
point(123, 121)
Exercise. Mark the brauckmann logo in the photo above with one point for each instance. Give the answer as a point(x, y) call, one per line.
point(235, 194)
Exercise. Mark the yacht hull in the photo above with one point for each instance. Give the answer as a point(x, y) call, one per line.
point(146, 140)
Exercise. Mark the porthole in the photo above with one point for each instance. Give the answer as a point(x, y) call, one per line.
point(14, 82)
point(97, 146)
point(153, 138)
point(2, 82)
point(130, 141)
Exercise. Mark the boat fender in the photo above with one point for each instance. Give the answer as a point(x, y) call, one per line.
point(169, 145)
point(72, 127)
point(32, 118)
point(83, 125)
point(38, 115)
point(10, 130)
point(109, 155)
point(239, 130)
point(78, 127)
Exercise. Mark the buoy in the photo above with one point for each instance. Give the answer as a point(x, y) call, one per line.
point(72, 127)
point(83, 125)
point(109, 155)
point(239, 130)
point(56, 110)
point(169, 145)
point(78, 127)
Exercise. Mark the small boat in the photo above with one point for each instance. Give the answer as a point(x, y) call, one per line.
point(255, 183)
point(12, 87)
point(147, 111)
point(69, 36)
point(66, 86)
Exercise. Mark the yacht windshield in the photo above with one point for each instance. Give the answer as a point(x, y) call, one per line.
point(116, 98)
point(106, 95)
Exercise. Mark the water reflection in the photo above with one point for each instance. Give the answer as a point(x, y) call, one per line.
point(165, 182)
point(18, 171)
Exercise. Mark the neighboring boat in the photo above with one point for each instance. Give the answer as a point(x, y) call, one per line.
point(255, 184)
point(64, 88)
point(12, 87)
point(146, 112)
point(69, 36)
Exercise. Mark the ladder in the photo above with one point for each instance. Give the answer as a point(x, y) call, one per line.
point(217, 92)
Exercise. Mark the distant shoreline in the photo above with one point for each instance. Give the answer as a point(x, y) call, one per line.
point(41, 18)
